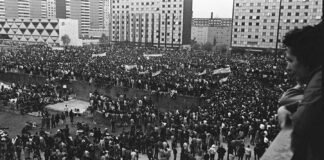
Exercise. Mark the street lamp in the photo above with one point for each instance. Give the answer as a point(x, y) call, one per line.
point(280, 2)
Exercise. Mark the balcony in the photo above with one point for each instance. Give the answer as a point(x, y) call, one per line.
point(279, 149)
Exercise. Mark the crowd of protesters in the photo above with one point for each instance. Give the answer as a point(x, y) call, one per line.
point(31, 97)
point(179, 68)
point(242, 106)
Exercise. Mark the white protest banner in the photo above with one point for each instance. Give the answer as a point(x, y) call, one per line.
point(145, 72)
point(152, 55)
point(129, 67)
point(222, 70)
point(58, 48)
point(99, 55)
point(201, 73)
point(223, 80)
point(156, 73)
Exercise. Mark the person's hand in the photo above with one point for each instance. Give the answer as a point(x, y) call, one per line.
point(284, 117)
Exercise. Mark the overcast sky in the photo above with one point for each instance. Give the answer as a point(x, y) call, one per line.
point(221, 8)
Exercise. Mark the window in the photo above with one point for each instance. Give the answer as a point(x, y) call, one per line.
point(251, 10)
point(257, 24)
point(249, 36)
point(288, 14)
point(264, 20)
point(306, 7)
point(264, 27)
point(289, 7)
point(266, 7)
point(297, 14)
point(250, 23)
point(297, 7)
point(270, 40)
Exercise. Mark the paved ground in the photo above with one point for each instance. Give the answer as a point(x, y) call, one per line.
point(71, 104)
point(15, 122)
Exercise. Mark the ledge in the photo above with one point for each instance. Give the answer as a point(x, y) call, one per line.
point(279, 149)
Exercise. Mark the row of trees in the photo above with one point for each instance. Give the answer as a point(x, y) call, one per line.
point(208, 46)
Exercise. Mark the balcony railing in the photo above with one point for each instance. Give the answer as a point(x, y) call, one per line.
point(279, 149)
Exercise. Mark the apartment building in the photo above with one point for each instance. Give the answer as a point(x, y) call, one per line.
point(257, 23)
point(216, 31)
point(162, 23)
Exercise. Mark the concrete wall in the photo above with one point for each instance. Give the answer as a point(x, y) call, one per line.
point(70, 27)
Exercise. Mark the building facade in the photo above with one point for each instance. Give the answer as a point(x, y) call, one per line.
point(162, 23)
point(216, 31)
point(50, 9)
point(92, 14)
point(255, 22)
point(27, 9)
point(37, 30)
point(2, 9)
point(61, 8)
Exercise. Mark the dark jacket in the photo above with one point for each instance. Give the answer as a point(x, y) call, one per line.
point(308, 122)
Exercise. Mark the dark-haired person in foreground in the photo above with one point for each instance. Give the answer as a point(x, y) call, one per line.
point(305, 49)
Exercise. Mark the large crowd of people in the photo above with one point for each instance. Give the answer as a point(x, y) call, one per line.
point(238, 100)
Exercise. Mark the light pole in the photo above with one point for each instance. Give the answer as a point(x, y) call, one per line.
point(277, 39)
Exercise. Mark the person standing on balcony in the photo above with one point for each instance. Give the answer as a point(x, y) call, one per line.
point(305, 49)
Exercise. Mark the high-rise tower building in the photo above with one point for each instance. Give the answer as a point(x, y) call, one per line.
point(28, 8)
point(2, 9)
point(90, 13)
point(152, 22)
point(255, 22)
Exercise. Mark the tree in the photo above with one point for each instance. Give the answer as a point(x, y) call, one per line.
point(104, 39)
point(194, 44)
point(66, 39)
point(223, 48)
point(215, 41)
point(207, 46)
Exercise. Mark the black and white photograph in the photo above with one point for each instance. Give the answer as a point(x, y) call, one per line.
point(161, 80)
